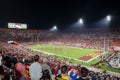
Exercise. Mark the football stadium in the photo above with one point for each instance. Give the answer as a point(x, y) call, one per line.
point(60, 40)
point(98, 53)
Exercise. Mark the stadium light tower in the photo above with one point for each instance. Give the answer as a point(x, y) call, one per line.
point(108, 18)
point(81, 21)
point(106, 23)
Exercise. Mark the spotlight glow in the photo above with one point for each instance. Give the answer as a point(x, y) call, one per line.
point(81, 21)
point(108, 18)
point(54, 28)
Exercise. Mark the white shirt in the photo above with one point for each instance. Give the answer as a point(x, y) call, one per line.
point(35, 71)
point(0, 60)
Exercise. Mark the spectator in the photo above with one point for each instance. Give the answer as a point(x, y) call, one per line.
point(7, 61)
point(46, 75)
point(45, 66)
point(84, 74)
point(36, 69)
point(63, 75)
point(1, 68)
point(20, 70)
point(73, 74)
point(0, 59)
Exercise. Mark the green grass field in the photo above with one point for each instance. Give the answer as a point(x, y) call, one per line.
point(64, 50)
point(74, 53)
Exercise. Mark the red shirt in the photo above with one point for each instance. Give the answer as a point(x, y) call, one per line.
point(20, 70)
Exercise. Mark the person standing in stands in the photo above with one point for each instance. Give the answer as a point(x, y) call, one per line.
point(1, 68)
point(36, 69)
point(45, 66)
point(20, 70)
point(73, 73)
point(63, 75)
point(84, 74)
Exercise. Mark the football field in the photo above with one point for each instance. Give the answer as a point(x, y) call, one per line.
point(87, 57)
point(69, 52)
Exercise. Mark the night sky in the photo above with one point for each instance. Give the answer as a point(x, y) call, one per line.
point(43, 14)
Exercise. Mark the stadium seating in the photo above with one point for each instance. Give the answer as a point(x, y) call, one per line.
point(31, 37)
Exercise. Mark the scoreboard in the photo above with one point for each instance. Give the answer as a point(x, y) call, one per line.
point(17, 25)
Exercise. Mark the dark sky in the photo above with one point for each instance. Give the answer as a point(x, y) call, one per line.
point(43, 14)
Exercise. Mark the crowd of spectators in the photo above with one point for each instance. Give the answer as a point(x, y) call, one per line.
point(17, 62)
point(20, 64)
point(115, 61)
point(88, 38)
